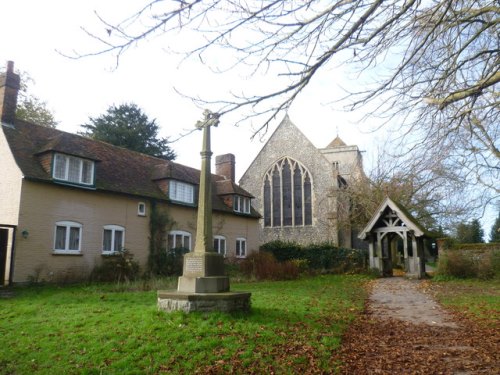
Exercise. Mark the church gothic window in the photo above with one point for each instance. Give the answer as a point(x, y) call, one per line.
point(287, 195)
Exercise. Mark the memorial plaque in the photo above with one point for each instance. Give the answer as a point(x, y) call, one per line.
point(194, 265)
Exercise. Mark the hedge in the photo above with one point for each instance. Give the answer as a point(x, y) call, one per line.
point(323, 256)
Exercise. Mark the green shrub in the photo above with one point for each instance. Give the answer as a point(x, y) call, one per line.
point(324, 256)
point(167, 262)
point(301, 264)
point(468, 264)
point(264, 266)
point(283, 250)
point(488, 267)
point(117, 267)
point(456, 264)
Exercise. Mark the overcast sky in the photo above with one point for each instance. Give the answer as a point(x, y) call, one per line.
point(33, 31)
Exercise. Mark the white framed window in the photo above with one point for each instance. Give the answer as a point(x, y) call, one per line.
point(220, 244)
point(113, 239)
point(67, 237)
point(181, 192)
point(179, 238)
point(241, 247)
point(241, 204)
point(141, 209)
point(73, 169)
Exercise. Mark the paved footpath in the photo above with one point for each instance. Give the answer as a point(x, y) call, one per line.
point(405, 331)
point(401, 299)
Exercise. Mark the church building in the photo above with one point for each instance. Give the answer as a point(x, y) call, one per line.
point(299, 189)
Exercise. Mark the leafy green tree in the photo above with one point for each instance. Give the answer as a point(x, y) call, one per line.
point(470, 233)
point(127, 126)
point(495, 230)
point(31, 108)
point(477, 232)
point(463, 233)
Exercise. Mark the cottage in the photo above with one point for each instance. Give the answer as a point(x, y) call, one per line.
point(68, 201)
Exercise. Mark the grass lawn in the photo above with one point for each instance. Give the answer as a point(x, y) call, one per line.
point(293, 327)
point(478, 299)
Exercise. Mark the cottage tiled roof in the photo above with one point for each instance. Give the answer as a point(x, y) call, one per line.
point(118, 170)
point(227, 187)
point(175, 171)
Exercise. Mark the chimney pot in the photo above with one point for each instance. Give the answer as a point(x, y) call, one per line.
point(225, 166)
point(9, 88)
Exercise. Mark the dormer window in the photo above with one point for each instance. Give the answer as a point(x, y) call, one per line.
point(241, 204)
point(73, 169)
point(181, 192)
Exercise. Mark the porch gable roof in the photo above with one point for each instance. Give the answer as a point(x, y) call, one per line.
point(409, 221)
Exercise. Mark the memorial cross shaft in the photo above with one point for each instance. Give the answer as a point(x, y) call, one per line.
point(204, 236)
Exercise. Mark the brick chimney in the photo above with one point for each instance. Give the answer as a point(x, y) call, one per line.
point(225, 166)
point(9, 87)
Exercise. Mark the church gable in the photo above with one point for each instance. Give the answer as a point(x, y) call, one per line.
point(286, 141)
point(292, 183)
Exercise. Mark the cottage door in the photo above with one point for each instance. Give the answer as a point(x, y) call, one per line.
point(4, 236)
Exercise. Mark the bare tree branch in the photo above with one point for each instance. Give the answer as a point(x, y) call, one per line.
point(435, 62)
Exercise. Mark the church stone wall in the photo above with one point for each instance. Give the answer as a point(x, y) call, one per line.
point(289, 141)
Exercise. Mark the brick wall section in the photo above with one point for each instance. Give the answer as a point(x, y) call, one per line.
point(43, 204)
point(163, 185)
point(225, 166)
point(9, 88)
point(46, 161)
point(228, 200)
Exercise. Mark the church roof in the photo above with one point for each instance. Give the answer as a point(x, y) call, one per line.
point(337, 142)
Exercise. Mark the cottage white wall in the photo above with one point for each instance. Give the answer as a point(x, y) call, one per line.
point(10, 184)
point(288, 141)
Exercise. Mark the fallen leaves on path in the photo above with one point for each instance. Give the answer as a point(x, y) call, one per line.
point(390, 346)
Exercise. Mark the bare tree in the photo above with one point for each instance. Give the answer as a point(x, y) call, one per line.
point(436, 62)
point(424, 186)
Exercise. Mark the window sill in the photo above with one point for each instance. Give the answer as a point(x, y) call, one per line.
point(182, 203)
point(62, 252)
point(74, 184)
point(110, 254)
